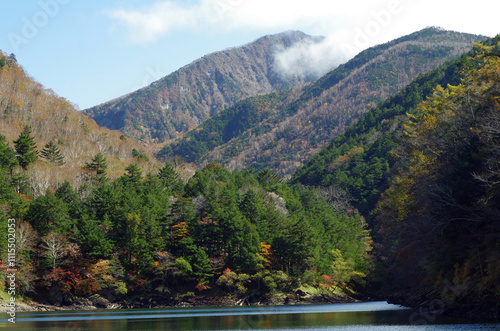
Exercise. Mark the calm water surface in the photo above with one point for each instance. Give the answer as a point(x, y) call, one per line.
point(353, 316)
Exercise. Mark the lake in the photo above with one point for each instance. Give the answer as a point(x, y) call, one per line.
point(352, 316)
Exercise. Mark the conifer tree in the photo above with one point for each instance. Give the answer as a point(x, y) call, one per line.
point(51, 153)
point(138, 155)
point(98, 166)
point(170, 177)
point(134, 173)
point(26, 148)
point(8, 158)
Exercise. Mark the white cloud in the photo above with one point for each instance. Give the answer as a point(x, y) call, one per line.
point(350, 26)
point(325, 17)
point(308, 59)
point(149, 24)
point(321, 17)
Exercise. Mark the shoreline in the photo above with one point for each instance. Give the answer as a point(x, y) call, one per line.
point(192, 301)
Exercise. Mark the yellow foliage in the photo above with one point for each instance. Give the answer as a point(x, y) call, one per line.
point(100, 270)
point(267, 253)
point(179, 231)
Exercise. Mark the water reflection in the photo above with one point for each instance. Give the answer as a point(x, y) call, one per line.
point(357, 316)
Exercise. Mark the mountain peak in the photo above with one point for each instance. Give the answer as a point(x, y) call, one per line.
point(182, 100)
point(290, 37)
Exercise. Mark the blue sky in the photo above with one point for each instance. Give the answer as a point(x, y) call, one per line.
point(93, 51)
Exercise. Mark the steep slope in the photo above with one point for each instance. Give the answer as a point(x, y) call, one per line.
point(438, 221)
point(423, 166)
point(51, 118)
point(190, 95)
point(296, 125)
point(359, 160)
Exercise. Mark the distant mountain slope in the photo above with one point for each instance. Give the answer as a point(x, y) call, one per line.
point(190, 95)
point(295, 125)
point(359, 160)
point(51, 118)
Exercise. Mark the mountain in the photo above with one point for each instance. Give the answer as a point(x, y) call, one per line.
point(289, 127)
point(359, 160)
point(423, 167)
point(24, 102)
point(187, 97)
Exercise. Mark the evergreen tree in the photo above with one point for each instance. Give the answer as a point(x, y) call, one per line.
point(51, 153)
point(26, 148)
point(49, 213)
point(170, 178)
point(139, 156)
point(134, 174)
point(97, 167)
point(19, 181)
point(66, 193)
point(93, 238)
point(251, 206)
point(8, 158)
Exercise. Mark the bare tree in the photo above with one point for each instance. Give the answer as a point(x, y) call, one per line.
point(56, 247)
point(25, 240)
point(337, 197)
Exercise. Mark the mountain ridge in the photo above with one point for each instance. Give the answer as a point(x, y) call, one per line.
point(185, 98)
point(331, 104)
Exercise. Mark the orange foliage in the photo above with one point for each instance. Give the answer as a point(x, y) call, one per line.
point(179, 231)
point(267, 253)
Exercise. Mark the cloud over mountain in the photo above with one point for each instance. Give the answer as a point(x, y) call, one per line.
point(150, 23)
point(309, 59)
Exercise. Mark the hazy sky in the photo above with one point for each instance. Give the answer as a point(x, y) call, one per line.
point(92, 51)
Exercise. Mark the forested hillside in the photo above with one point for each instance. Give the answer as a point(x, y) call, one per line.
point(421, 167)
point(287, 128)
point(97, 221)
point(405, 201)
point(152, 235)
point(359, 160)
point(182, 100)
point(54, 125)
point(438, 221)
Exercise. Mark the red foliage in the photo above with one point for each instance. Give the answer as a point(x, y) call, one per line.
point(61, 278)
point(24, 196)
point(327, 281)
point(201, 287)
point(228, 273)
point(71, 281)
point(326, 278)
point(86, 287)
point(135, 282)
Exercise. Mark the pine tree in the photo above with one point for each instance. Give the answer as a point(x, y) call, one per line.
point(170, 177)
point(97, 166)
point(26, 148)
point(51, 153)
point(134, 173)
point(8, 158)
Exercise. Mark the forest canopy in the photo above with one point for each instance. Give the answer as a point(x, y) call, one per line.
point(158, 233)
